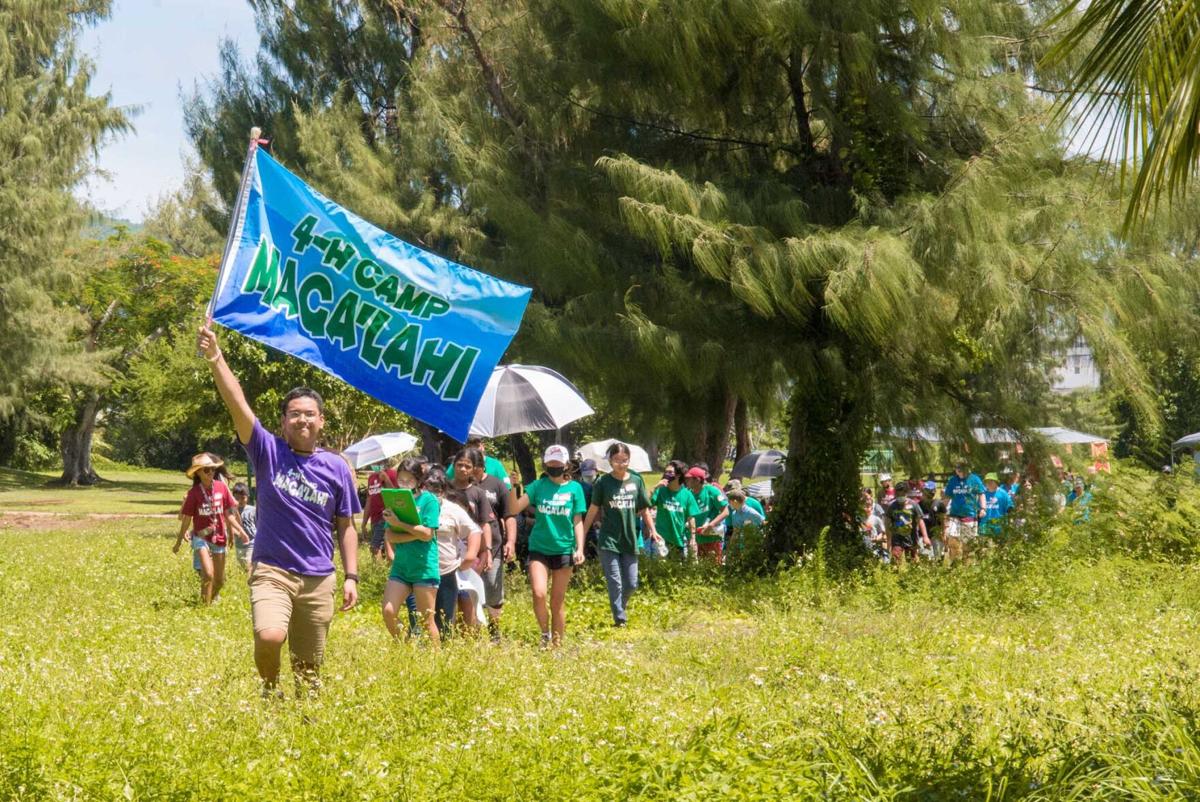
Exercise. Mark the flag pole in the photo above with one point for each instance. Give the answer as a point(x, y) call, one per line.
point(237, 221)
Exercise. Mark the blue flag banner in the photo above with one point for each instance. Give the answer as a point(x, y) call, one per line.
point(309, 278)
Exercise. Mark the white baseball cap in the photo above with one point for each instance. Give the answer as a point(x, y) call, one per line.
point(557, 454)
point(885, 477)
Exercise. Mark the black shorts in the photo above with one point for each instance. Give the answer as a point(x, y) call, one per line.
point(552, 561)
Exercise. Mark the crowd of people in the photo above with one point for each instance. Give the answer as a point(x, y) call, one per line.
point(447, 562)
point(449, 568)
point(915, 519)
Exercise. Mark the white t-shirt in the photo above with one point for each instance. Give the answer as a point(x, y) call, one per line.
point(454, 527)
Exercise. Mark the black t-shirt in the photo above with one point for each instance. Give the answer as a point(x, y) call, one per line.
point(902, 517)
point(934, 513)
point(496, 496)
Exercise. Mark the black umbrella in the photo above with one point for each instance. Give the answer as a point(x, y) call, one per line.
point(759, 463)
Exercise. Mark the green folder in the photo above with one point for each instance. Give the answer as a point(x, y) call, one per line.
point(400, 501)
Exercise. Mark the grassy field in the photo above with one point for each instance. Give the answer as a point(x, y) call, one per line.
point(1044, 673)
point(125, 490)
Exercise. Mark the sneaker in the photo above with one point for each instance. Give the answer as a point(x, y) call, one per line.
point(545, 640)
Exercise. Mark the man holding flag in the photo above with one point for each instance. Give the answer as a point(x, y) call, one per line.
point(421, 333)
point(304, 495)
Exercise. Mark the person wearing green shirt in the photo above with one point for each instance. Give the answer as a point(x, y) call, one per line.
point(675, 509)
point(620, 497)
point(555, 542)
point(491, 465)
point(415, 565)
point(714, 509)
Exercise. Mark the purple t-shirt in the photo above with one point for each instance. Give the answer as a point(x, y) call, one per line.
point(298, 499)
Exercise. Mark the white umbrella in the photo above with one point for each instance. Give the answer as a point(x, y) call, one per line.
point(379, 447)
point(639, 460)
point(527, 398)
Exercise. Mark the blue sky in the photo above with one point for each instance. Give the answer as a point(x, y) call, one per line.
point(145, 53)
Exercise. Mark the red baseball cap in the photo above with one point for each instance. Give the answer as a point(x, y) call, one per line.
point(695, 473)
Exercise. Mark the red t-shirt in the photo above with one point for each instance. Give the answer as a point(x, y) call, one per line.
point(208, 508)
point(374, 500)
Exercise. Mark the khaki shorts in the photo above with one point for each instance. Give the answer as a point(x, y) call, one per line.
point(960, 529)
point(300, 605)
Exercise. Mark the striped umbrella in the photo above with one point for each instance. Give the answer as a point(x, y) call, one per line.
point(527, 398)
point(759, 463)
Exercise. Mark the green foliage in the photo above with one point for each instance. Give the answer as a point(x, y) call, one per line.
point(861, 209)
point(1056, 668)
point(181, 219)
point(1136, 77)
point(1147, 514)
point(49, 128)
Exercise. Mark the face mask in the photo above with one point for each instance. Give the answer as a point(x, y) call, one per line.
point(589, 476)
point(555, 472)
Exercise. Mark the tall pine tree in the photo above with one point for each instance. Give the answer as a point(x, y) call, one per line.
point(50, 125)
point(863, 206)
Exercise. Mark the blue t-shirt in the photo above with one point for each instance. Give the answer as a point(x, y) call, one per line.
point(996, 505)
point(746, 516)
point(964, 495)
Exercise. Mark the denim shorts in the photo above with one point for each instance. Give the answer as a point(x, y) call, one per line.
point(420, 583)
point(199, 543)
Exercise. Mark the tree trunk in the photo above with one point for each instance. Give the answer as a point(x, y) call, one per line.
point(829, 432)
point(431, 443)
point(524, 458)
point(75, 445)
point(741, 427)
point(718, 439)
point(652, 450)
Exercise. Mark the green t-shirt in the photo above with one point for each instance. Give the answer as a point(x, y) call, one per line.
point(754, 504)
point(710, 501)
point(491, 467)
point(620, 500)
point(556, 506)
point(673, 508)
point(417, 560)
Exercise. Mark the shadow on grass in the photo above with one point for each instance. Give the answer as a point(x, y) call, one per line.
point(13, 479)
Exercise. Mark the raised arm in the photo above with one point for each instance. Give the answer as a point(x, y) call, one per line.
point(227, 384)
point(517, 502)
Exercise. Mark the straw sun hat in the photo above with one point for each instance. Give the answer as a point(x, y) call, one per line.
point(204, 460)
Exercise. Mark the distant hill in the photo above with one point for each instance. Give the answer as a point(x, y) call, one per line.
point(102, 226)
